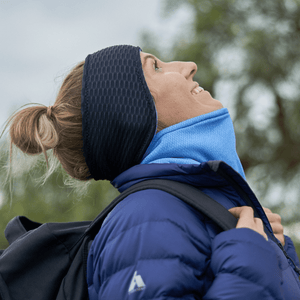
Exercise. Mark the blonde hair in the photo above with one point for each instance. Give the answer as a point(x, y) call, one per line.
point(39, 128)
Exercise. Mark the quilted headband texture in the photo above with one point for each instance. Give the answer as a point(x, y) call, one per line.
point(118, 112)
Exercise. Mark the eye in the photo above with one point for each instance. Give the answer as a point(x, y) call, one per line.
point(155, 66)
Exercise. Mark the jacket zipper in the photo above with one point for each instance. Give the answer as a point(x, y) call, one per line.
point(248, 200)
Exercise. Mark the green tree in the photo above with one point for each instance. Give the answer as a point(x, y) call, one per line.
point(248, 56)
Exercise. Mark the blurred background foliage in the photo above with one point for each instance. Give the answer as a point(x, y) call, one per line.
point(24, 194)
point(248, 56)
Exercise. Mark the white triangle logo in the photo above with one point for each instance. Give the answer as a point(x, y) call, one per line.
point(137, 284)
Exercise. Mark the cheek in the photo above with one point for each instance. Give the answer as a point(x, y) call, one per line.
point(171, 93)
point(172, 100)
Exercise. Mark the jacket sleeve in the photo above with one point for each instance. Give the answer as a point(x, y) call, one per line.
point(245, 267)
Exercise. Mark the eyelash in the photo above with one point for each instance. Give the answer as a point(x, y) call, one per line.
point(156, 68)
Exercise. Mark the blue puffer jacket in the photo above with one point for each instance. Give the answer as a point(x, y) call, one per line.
point(154, 246)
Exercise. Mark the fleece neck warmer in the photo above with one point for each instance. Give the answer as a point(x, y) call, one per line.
point(118, 112)
point(200, 139)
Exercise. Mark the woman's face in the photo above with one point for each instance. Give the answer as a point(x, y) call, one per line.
point(177, 97)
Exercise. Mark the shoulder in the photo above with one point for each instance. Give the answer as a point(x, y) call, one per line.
point(156, 223)
point(154, 206)
point(151, 232)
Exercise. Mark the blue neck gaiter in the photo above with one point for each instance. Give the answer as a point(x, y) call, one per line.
point(197, 140)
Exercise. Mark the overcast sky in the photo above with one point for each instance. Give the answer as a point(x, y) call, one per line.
point(42, 40)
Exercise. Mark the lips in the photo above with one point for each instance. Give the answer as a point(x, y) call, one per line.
point(196, 89)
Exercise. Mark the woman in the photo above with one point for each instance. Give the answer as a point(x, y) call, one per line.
point(105, 125)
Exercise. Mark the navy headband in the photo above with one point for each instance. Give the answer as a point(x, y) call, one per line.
point(118, 111)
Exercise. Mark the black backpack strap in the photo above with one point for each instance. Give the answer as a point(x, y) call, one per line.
point(197, 199)
point(186, 192)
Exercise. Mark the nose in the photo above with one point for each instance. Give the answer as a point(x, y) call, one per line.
point(187, 69)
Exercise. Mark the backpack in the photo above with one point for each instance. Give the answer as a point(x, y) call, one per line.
point(49, 261)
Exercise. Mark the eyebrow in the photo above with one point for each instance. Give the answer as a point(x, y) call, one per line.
point(145, 59)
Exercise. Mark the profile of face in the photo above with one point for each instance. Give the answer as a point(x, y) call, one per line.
point(177, 97)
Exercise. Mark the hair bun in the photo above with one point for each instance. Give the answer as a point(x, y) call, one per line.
point(33, 129)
